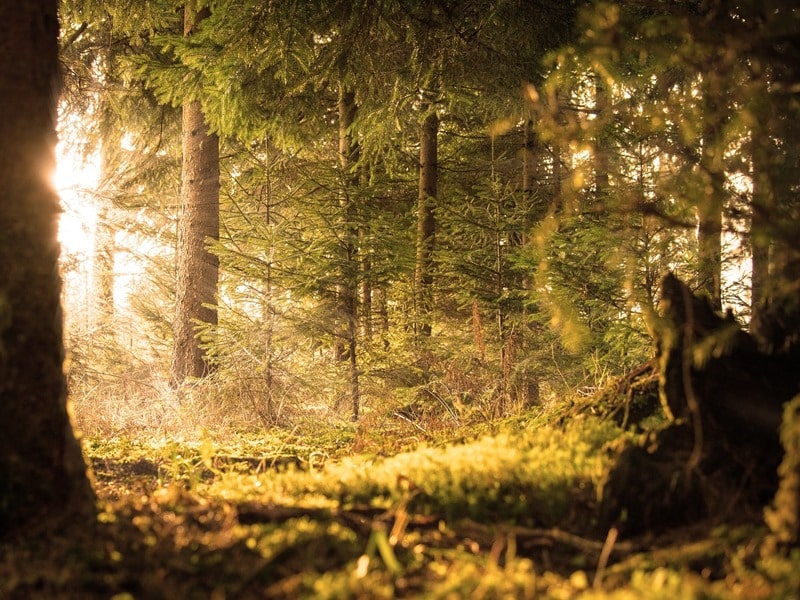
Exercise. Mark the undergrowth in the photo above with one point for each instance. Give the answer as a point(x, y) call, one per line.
point(335, 510)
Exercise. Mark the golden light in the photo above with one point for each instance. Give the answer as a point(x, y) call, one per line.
point(76, 181)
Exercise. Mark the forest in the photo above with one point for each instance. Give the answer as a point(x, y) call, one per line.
point(399, 299)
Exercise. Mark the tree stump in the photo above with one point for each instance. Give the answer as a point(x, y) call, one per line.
point(724, 399)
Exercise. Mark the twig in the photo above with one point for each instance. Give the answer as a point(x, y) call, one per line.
point(605, 554)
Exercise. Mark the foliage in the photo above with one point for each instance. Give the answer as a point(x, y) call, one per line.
point(783, 517)
point(468, 473)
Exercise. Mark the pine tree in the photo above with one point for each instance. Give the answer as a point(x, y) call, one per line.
point(198, 267)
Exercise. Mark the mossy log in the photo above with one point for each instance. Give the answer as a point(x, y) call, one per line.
point(724, 399)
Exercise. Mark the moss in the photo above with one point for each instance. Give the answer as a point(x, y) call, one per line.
point(783, 516)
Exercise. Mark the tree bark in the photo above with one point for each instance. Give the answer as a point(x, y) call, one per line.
point(198, 268)
point(42, 471)
point(426, 220)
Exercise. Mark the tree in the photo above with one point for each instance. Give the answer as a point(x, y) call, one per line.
point(198, 268)
point(426, 219)
point(348, 285)
point(41, 467)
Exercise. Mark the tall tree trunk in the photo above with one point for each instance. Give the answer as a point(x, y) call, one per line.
point(365, 287)
point(759, 238)
point(709, 239)
point(104, 243)
point(198, 269)
point(382, 313)
point(536, 208)
point(348, 286)
point(426, 220)
point(557, 172)
point(42, 472)
point(709, 209)
point(103, 271)
point(602, 141)
point(530, 160)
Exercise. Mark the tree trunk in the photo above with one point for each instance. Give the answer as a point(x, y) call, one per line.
point(759, 240)
point(530, 161)
point(348, 286)
point(42, 472)
point(198, 269)
point(602, 141)
point(365, 287)
point(709, 240)
point(709, 209)
point(103, 271)
point(531, 203)
point(426, 220)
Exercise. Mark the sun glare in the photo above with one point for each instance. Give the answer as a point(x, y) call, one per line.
point(76, 180)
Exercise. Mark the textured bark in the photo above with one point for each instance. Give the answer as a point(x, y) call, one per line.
point(42, 472)
point(198, 269)
point(426, 221)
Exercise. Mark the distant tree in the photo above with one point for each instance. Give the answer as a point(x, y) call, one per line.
point(347, 287)
point(42, 471)
point(426, 219)
point(700, 144)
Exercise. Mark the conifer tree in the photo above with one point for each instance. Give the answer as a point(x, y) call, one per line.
point(348, 285)
point(426, 220)
point(198, 267)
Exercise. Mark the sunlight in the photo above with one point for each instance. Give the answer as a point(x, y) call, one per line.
point(76, 180)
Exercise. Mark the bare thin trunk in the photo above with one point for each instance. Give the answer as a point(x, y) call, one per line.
point(348, 286)
point(601, 143)
point(365, 289)
point(426, 220)
point(759, 240)
point(103, 271)
point(383, 315)
point(533, 203)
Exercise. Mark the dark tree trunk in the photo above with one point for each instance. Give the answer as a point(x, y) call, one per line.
point(198, 269)
point(709, 209)
point(348, 285)
point(426, 220)
point(602, 141)
point(759, 241)
point(530, 161)
point(42, 472)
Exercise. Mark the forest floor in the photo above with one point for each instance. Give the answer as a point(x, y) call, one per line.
point(507, 510)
